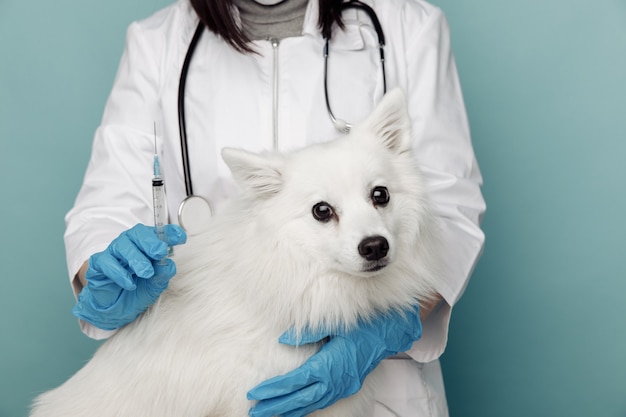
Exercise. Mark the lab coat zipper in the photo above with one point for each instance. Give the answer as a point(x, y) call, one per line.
point(275, 43)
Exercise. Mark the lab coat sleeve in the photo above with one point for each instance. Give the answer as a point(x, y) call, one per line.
point(116, 190)
point(446, 156)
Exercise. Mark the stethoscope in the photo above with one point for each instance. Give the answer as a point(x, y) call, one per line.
point(194, 212)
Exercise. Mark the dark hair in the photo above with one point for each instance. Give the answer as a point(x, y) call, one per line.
point(217, 16)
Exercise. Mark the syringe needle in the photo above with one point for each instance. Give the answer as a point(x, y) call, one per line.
point(155, 145)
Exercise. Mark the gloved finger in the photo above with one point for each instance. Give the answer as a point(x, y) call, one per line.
point(406, 326)
point(148, 290)
point(296, 338)
point(292, 403)
point(105, 265)
point(413, 318)
point(283, 384)
point(164, 270)
point(125, 249)
point(174, 234)
point(146, 240)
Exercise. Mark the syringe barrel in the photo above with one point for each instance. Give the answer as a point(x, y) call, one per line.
point(160, 210)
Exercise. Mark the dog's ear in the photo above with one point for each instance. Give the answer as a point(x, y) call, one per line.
point(258, 173)
point(390, 122)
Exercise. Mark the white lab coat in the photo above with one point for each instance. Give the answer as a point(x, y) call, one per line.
point(275, 99)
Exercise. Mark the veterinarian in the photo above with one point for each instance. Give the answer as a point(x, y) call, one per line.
point(258, 80)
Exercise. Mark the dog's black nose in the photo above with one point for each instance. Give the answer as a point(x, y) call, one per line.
point(374, 248)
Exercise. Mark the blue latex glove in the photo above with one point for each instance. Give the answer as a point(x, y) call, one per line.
point(126, 278)
point(338, 369)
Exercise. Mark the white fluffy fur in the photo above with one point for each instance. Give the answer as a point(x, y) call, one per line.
point(264, 266)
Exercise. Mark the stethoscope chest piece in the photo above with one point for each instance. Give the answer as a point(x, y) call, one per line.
point(194, 214)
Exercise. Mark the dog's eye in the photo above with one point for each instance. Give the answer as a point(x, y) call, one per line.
point(380, 196)
point(323, 211)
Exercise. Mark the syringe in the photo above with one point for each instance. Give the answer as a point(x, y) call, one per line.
point(159, 203)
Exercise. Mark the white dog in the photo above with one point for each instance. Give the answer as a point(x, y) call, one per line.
point(319, 237)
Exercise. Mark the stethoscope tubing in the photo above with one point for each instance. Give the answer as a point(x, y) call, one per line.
point(182, 126)
point(342, 125)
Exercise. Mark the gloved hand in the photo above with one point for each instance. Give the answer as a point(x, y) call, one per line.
point(338, 369)
point(127, 277)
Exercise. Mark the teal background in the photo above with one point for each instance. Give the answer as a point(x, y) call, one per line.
point(541, 330)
